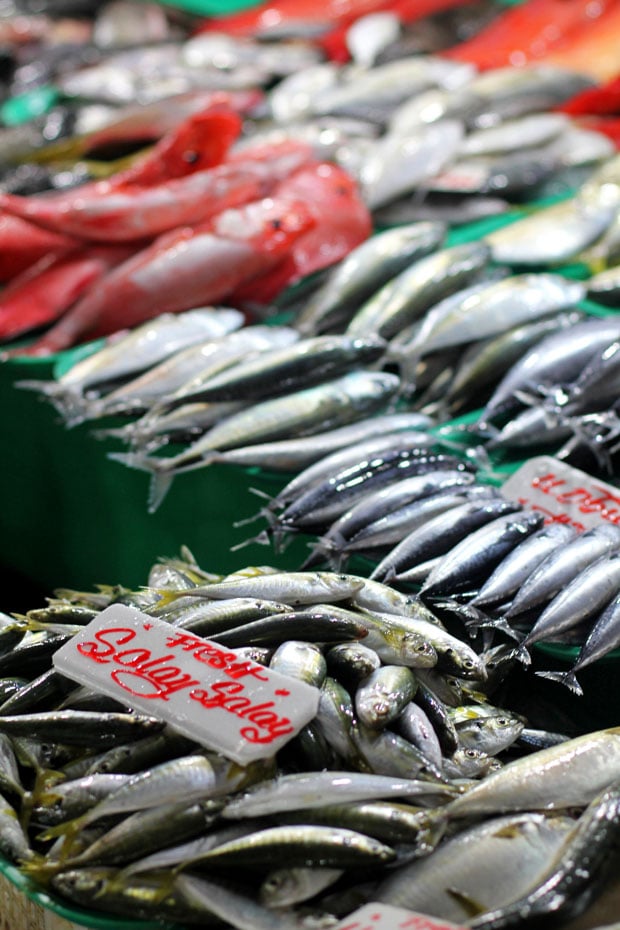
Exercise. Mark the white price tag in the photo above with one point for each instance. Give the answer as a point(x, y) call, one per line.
point(387, 917)
point(564, 494)
point(200, 688)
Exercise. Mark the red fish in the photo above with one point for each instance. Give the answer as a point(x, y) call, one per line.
point(528, 32)
point(342, 221)
point(137, 213)
point(42, 293)
point(594, 50)
point(285, 16)
point(595, 101)
point(185, 268)
point(199, 142)
point(22, 243)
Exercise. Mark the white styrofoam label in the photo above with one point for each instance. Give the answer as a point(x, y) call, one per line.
point(199, 687)
point(564, 494)
point(387, 917)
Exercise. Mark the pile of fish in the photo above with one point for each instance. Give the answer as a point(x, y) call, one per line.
point(409, 786)
point(273, 159)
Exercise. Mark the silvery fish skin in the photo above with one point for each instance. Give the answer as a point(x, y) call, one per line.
point(292, 588)
point(281, 370)
point(166, 378)
point(292, 97)
point(309, 790)
point(586, 594)
point(407, 296)
point(453, 655)
point(332, 404)
point(144, 346)
point(349, 457)
point(526, 132)
point(393, 527)
point(519, 564)
point(561, 566)
point(300, 845)
point(604, 636)
point(480, 553)
point(13, 840)
point(388, 500)
point(398, 164)
point(581, 861)
point(72, 798)
point(440, 534)
point(141, 896)
point(297, 454)
point(390, 754)
point(491, 735)
point(415, 726)
point(339, 492)
point(557, 359)
point(386, 85)
point(221, 50)
point(383, 695)
point(300, 660)
point(391, 821)
point(495, 309)
point(511, 92)
point(292, 884)
point(351, 662)
point(367, 268)
point(556, 233)
point(490, 863)
point(469, 763)
point(533, 426)
point(563, 776)
point(485, 363)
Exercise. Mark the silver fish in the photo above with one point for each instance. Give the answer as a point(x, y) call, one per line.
point(561, 566)
point(490, 864)
point(311, 789)
point(398, 164)
point(567, 775)
point(367, 268)
point(292, 884)
point(334, 403)
point(383, 695)
point(407, 296)
point(519, 564)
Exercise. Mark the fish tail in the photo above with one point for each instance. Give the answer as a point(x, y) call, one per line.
point(565, 678)
point(521, 654)
point(162, 474)
point(67, 401)
point(262, 539)
point(325, 550)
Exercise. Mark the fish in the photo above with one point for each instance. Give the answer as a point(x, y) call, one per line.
point(567, 775)
point(516, 850)
point(556, 359)
point(580, 863)
point(561, 566)
point(332, 404)
point(382, 696)
point(407, 296)
point(293, 884)
point(399, 163)
point(568, 607)
point(364, 271)
point(149, 283)
point(479, 553)
point(601, 639)
point(519, 564)
point(556, 233)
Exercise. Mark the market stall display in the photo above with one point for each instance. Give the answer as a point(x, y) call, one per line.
point(347, 273)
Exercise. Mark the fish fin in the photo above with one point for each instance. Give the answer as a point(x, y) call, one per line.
point(471, 907)
point(522, 655)
point(261, 539)
point(158, 488)
point(67, 401)
point(565, 678)
point(162, 474)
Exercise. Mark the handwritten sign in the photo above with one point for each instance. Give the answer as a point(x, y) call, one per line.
point(200, 688)
point(564, 494)
point(387, 917)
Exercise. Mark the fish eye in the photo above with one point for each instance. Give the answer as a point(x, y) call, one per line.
point(502, 721)
point(471, 753)
point(423, 648)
